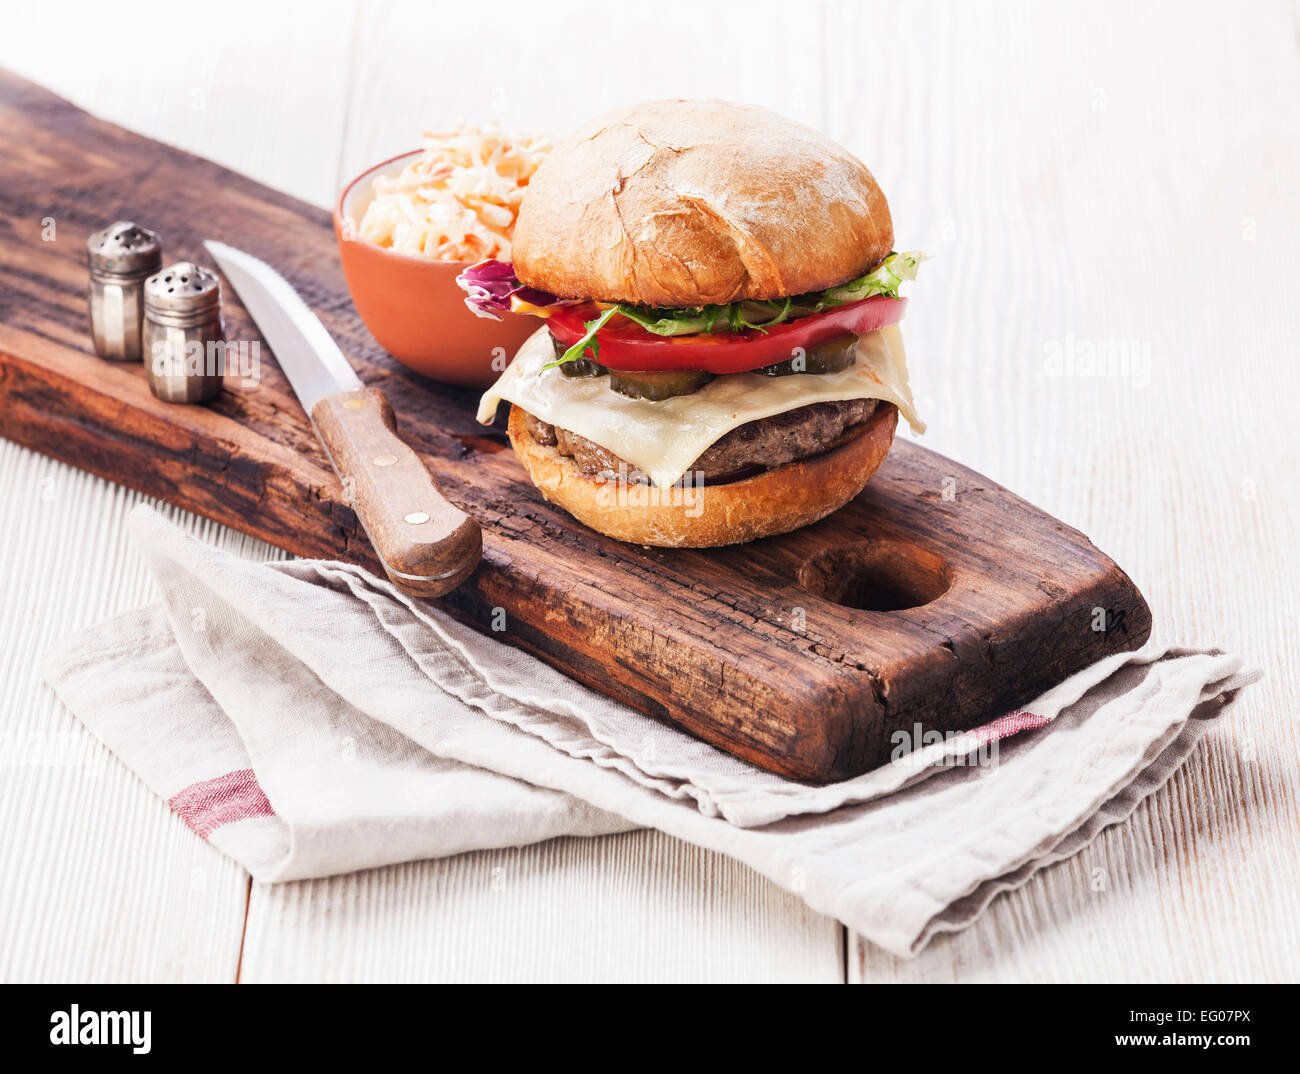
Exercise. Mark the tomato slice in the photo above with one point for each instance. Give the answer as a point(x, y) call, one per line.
point(624, 344)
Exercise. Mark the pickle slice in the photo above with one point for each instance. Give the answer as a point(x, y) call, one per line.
point(830, 356)
point(583, 367)
point(657, 387)
point(579, 367)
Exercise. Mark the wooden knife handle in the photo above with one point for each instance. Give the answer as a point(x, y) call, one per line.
point(426, 546)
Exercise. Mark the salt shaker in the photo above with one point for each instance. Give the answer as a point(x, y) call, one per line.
point(120, 258)
point(184, 342)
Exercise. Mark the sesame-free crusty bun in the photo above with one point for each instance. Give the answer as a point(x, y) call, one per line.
point(691, 203)
point(774, 501)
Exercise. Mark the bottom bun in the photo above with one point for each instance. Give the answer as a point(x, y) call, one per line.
point(775, 501)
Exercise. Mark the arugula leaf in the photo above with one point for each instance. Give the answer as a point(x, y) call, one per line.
point(587, 342)
point(673, 322)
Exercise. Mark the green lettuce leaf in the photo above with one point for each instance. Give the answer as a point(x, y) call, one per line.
point(884, 279)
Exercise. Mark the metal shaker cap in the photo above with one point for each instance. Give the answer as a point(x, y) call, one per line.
point(124, 249)
point(184, 292)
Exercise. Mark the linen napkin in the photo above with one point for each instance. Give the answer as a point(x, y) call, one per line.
point(308, 719)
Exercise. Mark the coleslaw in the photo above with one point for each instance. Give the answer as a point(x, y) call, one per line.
point(458, 200)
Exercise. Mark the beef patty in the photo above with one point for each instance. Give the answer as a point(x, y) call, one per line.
point(747, 449)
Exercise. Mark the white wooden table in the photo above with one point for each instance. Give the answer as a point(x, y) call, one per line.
point(1113, 178)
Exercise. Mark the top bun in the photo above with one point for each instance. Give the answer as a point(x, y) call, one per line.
point(689, 203)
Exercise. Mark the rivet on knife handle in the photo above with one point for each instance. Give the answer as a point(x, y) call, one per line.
point(426, 545)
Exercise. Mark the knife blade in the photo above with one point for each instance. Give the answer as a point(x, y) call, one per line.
point(426, 545)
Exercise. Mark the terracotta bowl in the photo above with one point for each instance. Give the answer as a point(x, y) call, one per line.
point(412, 305)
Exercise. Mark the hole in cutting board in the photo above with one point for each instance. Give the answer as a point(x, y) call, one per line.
point(877, 575)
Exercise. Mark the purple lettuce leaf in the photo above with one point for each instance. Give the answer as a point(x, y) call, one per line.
point(493, 288)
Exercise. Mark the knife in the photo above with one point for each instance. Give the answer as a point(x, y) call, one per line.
point(426, 546)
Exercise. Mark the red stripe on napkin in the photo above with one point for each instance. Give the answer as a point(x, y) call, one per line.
point(1006, 726)
point(208, 805)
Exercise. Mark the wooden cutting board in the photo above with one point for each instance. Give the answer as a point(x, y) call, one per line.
point(937, 598)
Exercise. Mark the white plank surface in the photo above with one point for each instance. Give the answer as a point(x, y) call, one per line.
point(627, 908)
point(1082, 174)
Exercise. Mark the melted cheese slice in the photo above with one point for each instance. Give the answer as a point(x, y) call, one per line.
point(666, 437)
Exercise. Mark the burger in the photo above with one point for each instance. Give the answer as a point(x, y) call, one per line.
point(720, 360)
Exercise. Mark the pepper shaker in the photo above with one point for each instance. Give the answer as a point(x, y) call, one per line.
point(120, 258)
point(184, 342)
